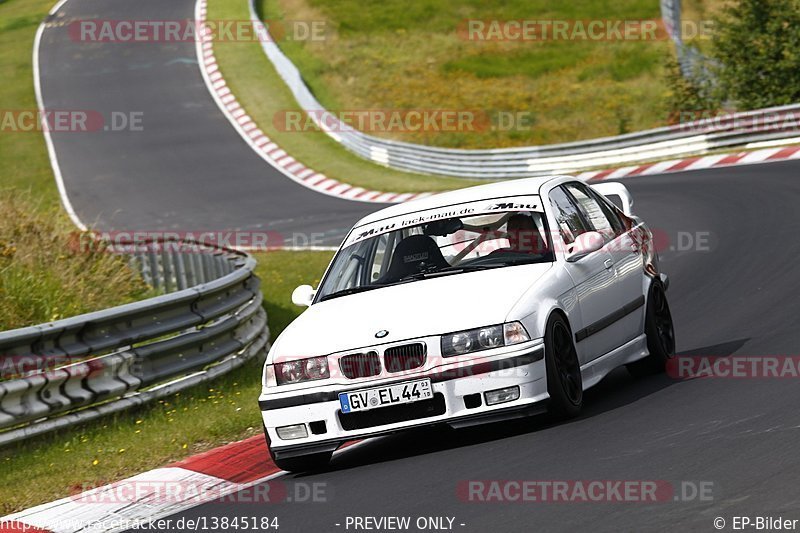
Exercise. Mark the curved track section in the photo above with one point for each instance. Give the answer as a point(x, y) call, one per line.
point(187, 169)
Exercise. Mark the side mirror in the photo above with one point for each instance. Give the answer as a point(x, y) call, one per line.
point(584, 244)
point(303, 295)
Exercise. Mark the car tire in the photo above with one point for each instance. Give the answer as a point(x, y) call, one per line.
point(564, 381)
point(660, 334)
point(304, 463)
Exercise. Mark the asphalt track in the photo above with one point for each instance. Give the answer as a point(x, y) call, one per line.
point(187, 169)
point(737, 295)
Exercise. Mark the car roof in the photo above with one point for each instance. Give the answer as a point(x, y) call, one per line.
point(517, 187)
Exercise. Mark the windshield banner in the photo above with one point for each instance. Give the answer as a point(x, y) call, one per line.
point(481, 207)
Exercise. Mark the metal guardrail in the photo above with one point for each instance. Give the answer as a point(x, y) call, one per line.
point(209, 321)
point(691, 138)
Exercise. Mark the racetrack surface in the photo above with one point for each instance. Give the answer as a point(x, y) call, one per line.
point(741, 434)
point(190, 170)
point(187, 169)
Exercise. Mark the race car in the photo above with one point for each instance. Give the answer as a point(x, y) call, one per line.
point(471, 306)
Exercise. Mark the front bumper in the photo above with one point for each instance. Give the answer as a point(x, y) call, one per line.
point(455, 391)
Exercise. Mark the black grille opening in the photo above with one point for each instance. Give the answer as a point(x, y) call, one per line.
point(472, 401)
point(406, 357)
point(318, 427)
point(393, 414)
point(360, 365)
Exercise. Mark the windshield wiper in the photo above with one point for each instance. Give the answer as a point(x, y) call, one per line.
point(351, 290)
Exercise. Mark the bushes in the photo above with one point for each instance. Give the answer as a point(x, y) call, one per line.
point(757, 44)
point(687, 97)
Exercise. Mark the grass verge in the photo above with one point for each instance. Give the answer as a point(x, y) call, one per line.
point(47, 272)
point(395, 54)
point(264, 95)
point(115, 447)
point(26, 167)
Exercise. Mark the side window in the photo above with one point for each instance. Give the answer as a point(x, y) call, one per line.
point(597, 213)
point(612, 212)
point(347, 274)
point(568, 217)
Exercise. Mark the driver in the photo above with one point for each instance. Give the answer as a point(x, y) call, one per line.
point(523, 236)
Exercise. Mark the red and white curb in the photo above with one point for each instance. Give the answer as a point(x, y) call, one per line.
point(764, 155)
point(139, 500)
point(264, 146)
point(154, 494)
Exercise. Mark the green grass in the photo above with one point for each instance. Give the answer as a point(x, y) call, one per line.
point(281, 272)
point(519, 62)
point(25, 164)
point(48, 272)
point(395, 54)
point(439, 16)
point(54, 465)
point(264, 95)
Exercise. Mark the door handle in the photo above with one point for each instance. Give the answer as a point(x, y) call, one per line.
point(608, 263)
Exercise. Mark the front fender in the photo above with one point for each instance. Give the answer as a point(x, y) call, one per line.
point(554, 292)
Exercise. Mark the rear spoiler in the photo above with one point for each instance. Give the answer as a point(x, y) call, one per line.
point(613, 188)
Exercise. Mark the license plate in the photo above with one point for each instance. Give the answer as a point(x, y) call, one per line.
point(362, 400)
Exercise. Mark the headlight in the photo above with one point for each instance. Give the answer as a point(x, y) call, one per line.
point(301, 370)
point(486, 338)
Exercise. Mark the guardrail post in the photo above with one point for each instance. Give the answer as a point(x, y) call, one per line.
point(180, 271)
point(166, 262)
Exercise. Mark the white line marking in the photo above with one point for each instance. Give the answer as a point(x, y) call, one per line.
point(51, 150)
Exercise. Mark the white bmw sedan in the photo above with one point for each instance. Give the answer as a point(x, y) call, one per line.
point(471, 306)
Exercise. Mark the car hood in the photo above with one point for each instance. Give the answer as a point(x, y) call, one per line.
point(415, 309)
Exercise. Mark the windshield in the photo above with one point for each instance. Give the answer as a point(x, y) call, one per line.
point(395, 252)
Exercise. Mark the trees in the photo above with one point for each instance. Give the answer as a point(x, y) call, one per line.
point(756, 51)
